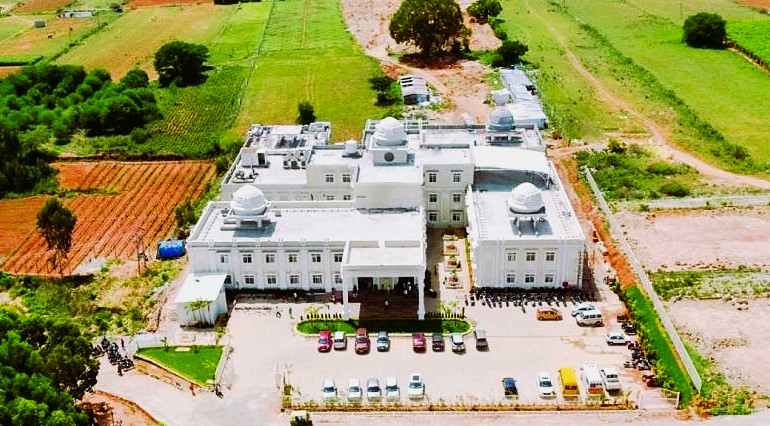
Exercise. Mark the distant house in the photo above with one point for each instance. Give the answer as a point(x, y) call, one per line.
point(40, 24)
point(413, 89)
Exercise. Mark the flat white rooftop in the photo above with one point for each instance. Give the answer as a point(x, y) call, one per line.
point(444, 156)
point(370, 173)
point(201, 287)
point(386, 256)
point(314, 224)
point(273, 174)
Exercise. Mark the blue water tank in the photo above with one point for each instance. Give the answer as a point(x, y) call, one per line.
point(171, 249)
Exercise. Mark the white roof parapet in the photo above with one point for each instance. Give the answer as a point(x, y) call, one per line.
point(507, 158)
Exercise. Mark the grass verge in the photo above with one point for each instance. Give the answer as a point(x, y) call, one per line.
point(717, 397)
point(391, 326)
point(198, 364)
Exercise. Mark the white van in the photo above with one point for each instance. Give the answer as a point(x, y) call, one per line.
point(592, 379)
point(592, 317)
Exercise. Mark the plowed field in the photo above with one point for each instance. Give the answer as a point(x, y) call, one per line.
point(131, 197)
point(38, 6)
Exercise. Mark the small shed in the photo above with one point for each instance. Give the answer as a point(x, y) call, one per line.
point(39, 23)
point(413, 89)
point(171, 249)
point(201, 300)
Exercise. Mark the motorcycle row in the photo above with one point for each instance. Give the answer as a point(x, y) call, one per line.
point(499, 299)
point(114, 354)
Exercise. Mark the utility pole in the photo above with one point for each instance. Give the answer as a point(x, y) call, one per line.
point(140, 249)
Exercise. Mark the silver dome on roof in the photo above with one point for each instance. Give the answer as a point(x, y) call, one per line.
point(249, 201)
point(526, 198)
point(389, 132)
point(500, 119)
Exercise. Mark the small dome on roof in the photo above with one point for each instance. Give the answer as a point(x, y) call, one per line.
point(389, 132)
point(249, 201)
point(500, 119)
point(526, 198)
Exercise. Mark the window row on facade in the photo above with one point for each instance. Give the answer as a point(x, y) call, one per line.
point(332, 177)
point(432, 176)
point(530, 256)
point(291, 257)
point(529, 279)
point(457, 197)
point(457, 216)
point(291, 279)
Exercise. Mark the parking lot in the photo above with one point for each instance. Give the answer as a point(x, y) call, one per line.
point(519, 346)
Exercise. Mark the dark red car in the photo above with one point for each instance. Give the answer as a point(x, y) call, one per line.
point(418, 342)
point(362, 341)
point(324, 341)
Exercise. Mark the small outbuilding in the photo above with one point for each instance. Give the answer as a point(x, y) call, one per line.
point(201, 300)
point(414, 90)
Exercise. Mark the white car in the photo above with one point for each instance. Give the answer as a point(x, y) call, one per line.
point(373, 390)
point(354, 390)
point(545, 385)
point(617, 338)
point(584, 306)
point(610, 379)
point(329, 390)
point(416, 386)
point(391, 389)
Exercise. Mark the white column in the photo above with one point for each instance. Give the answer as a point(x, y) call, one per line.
point(345, 306)
point(420, 296)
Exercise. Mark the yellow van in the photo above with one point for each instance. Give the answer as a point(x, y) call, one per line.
point(568, 380)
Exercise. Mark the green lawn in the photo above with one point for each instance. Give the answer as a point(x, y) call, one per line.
point(307, 54)
point(197, 366)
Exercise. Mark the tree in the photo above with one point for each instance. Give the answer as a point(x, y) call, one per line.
point(306, 113)
point(181, 63)
point(511, 52)
point(431, 25)
point(136, 78)
point(56, 223)
point(483, 9)
point(706, 30)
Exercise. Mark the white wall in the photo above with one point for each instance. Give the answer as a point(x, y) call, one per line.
point(388, 195)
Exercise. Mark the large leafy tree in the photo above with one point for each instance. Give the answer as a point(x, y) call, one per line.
point(431, 25)
point(45, 364)
point(181, 63)
point(56, 223)
point(705, 30)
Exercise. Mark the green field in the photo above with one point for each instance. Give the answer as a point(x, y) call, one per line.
point(720, 87)
point(198, 365)
point(238, 37)
point(752, 35)
point(33, 43)
point(307, 54)
point(11, 26)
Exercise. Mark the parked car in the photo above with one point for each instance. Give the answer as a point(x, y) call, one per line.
point(610, 379)
point(437, 342)
point(340, 341)
point(391, 389)
point(545, 385)
point(584, 306)
point(418, 342)
point(458, 345)
point(481, 340)
point(416, 386)
point(616, 338)
point(509, 387)
point(354, 390)
point(373, 390)
point(329, 390)
point(383, 341)
point(547, 313)
point(324, 341)
point(362, 341)
point(591, 318)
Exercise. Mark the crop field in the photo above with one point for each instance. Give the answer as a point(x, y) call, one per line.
point(752, 35)
point(649, 33)
point(12, 25)
point(132, 39)
point(240, 35)
point(42, 6)
point(132, 196)
point(19, 218)
point(45, 42)
point(145, 3)
point(308, 54)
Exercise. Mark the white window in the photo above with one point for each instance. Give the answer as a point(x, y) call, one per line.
point(294, 279)
point(457, 177)
point(292, 257)
point(315, 257)
point(248, 279)
point(329, 178)
point(457, 197)
point(271, 279)
point(269, 257)
point(510, 279)
point(337, 257)
point(457, 216)
point(318, 279)
point(329, 197)
point(432, 216)
point(347, 197)
point(549, 278)
point(224, 258)
point(550, 256)
point(433, 198)
point(337, 278)
point(530, 256)
point(346, 177)
point(529, 278)
point(511, 256)
point(246, 257)
point(432, 177)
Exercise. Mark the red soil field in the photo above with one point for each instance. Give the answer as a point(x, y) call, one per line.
point(4, 71)
point(144, 3)
point(761, 4)
point(18, 222)
point(130, 196)
point(36, 6)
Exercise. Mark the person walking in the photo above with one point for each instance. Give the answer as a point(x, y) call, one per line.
point(290, 316)
point(192, 388)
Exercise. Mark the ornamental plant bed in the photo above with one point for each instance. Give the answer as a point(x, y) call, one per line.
point(312, 327)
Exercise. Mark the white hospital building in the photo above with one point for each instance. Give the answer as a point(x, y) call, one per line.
point(298, 212)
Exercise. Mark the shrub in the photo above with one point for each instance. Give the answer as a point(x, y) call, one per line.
point(482, 10)
point(512, 51)
point(675, 189)
point(705, 30)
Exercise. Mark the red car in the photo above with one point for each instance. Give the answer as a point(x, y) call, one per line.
point(362, 341)
point(324, 341)
point(418, 342)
